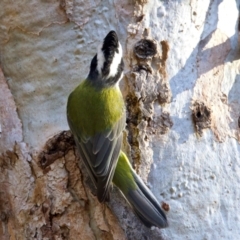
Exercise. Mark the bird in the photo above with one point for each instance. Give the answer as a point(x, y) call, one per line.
point(96, 114)
point(97, 117)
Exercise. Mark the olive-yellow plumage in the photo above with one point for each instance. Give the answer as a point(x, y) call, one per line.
point(123, 177)
point(96, 109)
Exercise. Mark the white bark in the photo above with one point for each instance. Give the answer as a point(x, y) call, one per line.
point(183, 116)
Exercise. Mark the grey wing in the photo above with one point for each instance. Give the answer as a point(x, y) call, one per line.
point(85, 162)
point(82, 154)
point(100, 154)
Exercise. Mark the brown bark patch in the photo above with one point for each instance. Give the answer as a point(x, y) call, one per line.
point(55, 148)
point(201, 115)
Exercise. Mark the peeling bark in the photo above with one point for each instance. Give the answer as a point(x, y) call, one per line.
point(51, 201)
point(147, 84)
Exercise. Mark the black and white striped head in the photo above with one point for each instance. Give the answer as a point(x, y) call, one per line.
point(107, 65)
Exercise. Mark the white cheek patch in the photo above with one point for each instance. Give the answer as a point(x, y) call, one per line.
point(100, 59)
point(117, 83)
point(115, 62)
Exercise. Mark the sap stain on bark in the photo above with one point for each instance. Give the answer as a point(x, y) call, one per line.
point(201, 115)
point(165, 206)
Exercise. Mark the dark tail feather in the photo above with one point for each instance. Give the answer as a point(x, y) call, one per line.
point(143, 202)
point(145, 205)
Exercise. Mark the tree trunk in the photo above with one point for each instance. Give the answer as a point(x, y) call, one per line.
point(181, 87)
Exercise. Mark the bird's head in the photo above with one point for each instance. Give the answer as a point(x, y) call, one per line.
point(107, 65)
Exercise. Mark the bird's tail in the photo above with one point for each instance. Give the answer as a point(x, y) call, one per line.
point(141, 199)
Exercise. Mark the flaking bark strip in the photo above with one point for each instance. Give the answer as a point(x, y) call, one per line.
point(55, 148)
point(164, 57)
point(133, 119)
point(165, 94)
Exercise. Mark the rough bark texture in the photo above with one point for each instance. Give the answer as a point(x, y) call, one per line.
point(44, 196)
point(182, 91)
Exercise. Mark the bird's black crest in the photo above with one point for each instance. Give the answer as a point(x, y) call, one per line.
point(101, 65)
